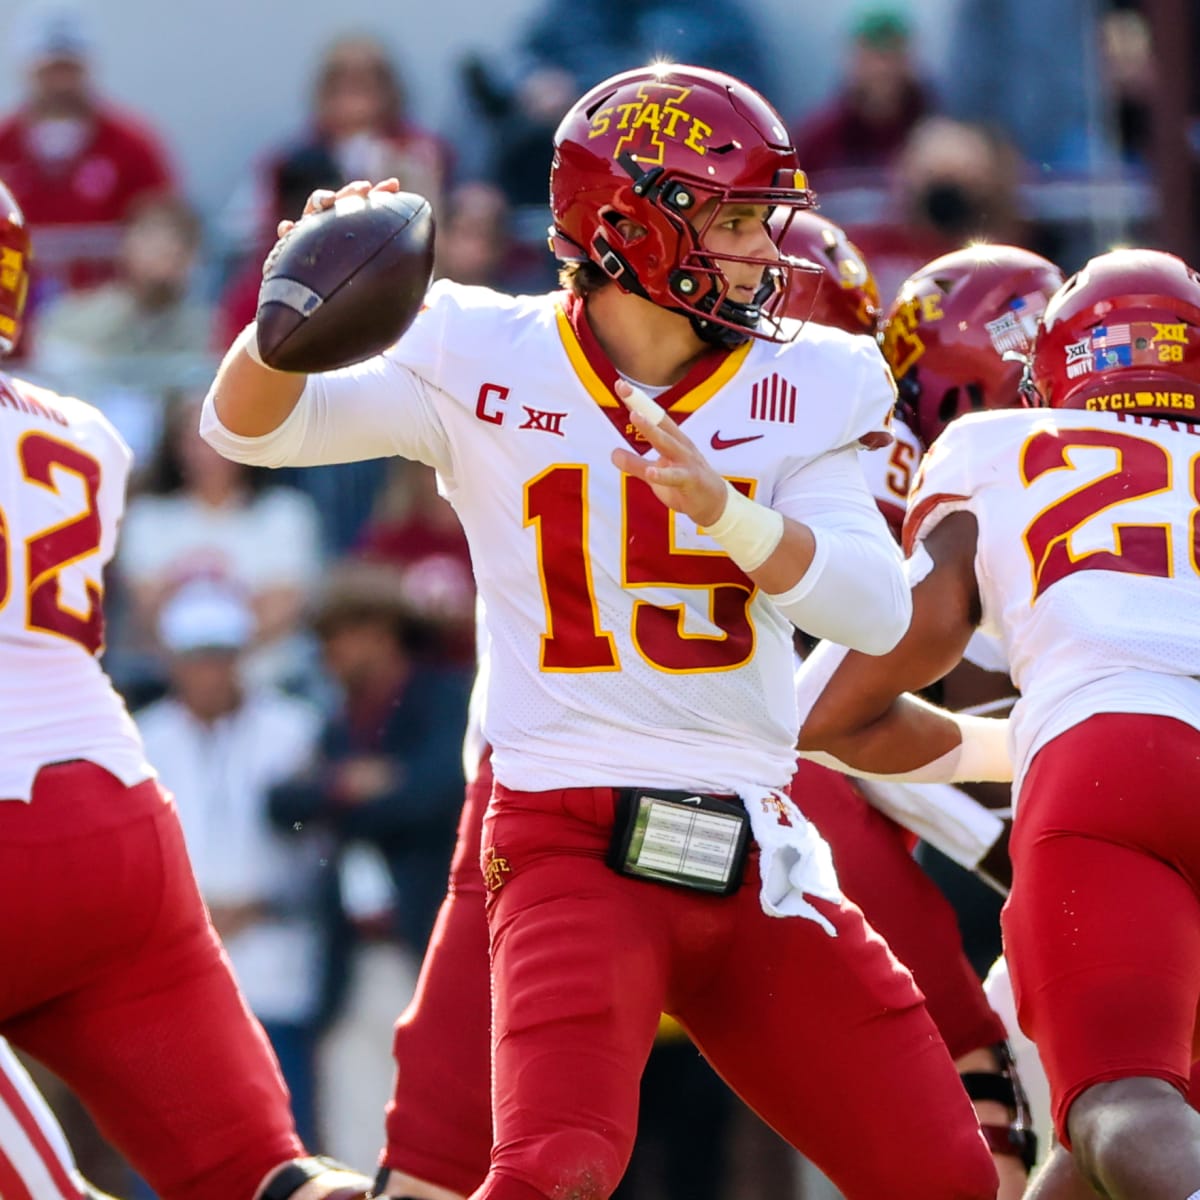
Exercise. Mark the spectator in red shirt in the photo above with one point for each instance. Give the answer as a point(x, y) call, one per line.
point(880, 99)
point(74, 163)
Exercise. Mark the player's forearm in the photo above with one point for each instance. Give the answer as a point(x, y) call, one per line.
point(250, 399)
point(841, 586)
point(919, 743)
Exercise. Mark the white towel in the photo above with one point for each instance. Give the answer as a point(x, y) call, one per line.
point(941, 814)
point(794, 859)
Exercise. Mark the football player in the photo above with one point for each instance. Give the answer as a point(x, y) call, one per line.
point(123, 990)
point(639, 610)
point(953, 317)
point(1071, 534)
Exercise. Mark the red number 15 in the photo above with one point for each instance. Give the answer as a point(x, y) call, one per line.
point(556, 504)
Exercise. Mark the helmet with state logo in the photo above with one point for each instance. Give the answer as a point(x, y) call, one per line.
point(14, 270)
point(843, 293)
point(956, 334)
point(1122, 335)
point(642, 152)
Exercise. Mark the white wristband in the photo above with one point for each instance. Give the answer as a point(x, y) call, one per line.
point(746, 530)
point(981, 757)
point(984, 756)
point(247, 340)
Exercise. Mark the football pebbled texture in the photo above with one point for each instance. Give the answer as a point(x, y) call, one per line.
point(346, 282)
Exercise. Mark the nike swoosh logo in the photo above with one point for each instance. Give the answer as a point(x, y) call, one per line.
point(694, 799)
point(720, 443)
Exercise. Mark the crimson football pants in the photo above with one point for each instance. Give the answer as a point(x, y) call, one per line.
point(878, 872)
point(1102, 927)
point(115, 980)
point(826, 1038)
point(439, 1121)
point(439, 1124)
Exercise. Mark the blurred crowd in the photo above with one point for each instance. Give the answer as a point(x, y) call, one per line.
point(299, 650)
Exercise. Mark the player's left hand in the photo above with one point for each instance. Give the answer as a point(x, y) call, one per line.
point(681, 477)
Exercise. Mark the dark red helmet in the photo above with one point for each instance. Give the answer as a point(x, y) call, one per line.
point(14, 270)
point(653, 145)
point(1122, 335)
point(844, 293)
point(947, 332)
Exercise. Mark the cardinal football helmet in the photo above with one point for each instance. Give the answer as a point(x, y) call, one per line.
point(14, 270)
point(652, 146)
point(1122, 335)
point(955, 333)
point(843, 293)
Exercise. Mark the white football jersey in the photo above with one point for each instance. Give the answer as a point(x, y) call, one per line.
point(889, 473)
point(1088, 560)
point(62, 490)
point(625, 647)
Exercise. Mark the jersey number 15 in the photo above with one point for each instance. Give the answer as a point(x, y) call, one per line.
point(556, 504)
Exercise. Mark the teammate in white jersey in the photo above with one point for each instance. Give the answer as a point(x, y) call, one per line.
point(118, 983)
point(639, 612)
point(1072, 535)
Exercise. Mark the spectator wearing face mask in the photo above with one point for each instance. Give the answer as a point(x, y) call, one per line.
point(952, 183)
point(74, 162)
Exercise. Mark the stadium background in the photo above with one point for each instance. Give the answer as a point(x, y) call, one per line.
point(224, 83)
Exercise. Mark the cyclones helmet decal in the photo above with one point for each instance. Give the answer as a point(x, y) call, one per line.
point(652, 146)
point(843, 292)
point(955, 333)
point(15, 253)
point(1122, 335)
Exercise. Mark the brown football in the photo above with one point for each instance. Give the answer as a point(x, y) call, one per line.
point(345, 283)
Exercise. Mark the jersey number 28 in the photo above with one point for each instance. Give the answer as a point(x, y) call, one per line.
point(1143, 469)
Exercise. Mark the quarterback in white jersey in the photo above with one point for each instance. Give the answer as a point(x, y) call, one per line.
point(118, 985)
point(1072, 536)
point(642, 562)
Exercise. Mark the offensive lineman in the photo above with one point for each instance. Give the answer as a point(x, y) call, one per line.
point(640, 679)
point(123, 990)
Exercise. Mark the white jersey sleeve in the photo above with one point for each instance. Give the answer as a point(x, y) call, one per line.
point(383, 406)
point(62, 494)
point(1084, 562)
